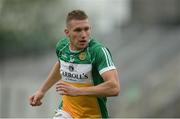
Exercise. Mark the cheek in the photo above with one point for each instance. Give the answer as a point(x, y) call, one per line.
point(75, 37)
point(72, 36)
point(88, 33)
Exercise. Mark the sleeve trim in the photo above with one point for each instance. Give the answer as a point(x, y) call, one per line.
point(106, 69)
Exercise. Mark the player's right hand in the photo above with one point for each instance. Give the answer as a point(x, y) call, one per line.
point(35, 100)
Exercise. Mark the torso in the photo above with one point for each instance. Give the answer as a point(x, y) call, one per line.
point(76, 69)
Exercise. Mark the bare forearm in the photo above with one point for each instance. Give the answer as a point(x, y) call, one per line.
point(110, 87)
point(52, 78)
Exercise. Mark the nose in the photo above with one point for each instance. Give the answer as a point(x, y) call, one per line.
point(83, 34)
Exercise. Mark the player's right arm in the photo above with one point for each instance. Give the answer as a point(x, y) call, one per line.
point(53, 77)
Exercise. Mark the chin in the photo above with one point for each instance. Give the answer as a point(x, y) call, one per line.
point(83, 46)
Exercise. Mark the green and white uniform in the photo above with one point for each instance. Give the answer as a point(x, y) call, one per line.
point(82, 69)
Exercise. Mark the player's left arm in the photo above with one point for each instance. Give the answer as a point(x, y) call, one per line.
point(110, 86)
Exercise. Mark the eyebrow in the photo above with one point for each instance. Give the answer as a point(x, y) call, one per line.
point(78, 29)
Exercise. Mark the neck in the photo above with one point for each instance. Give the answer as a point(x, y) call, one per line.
point(73, 49)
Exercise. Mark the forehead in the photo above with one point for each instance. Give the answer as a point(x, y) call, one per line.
point(79, 23)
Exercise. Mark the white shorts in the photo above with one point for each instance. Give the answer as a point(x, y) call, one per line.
point(60, 114)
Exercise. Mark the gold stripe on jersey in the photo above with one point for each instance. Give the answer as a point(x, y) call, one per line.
point(81, 106)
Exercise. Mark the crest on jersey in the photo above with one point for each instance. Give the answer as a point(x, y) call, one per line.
point(82, 56)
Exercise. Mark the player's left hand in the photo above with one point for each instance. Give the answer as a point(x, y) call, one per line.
point(67, 89)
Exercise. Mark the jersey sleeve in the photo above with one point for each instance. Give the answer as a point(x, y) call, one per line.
point(58, 48)
point(103, 60)
point(61, 44)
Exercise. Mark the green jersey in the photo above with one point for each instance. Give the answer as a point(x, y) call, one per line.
point(82, 69)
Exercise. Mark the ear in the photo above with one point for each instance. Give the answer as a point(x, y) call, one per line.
point(66, 31)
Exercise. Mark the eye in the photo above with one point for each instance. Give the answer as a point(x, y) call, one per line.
point(78, 30)
point(86, 29)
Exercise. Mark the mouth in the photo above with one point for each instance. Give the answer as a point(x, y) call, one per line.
point(82, 41)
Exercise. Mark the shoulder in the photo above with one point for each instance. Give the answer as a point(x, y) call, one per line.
point(95, 45)
point(98, 51)
point(62, 43)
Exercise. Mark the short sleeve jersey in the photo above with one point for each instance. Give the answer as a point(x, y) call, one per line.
point(82, 69)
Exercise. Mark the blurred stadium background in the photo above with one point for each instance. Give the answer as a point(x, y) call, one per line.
point(143, 36)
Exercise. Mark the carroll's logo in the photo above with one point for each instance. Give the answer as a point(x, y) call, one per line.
point(71, 68)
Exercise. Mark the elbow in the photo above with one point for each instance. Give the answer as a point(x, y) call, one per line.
point(115, 90)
